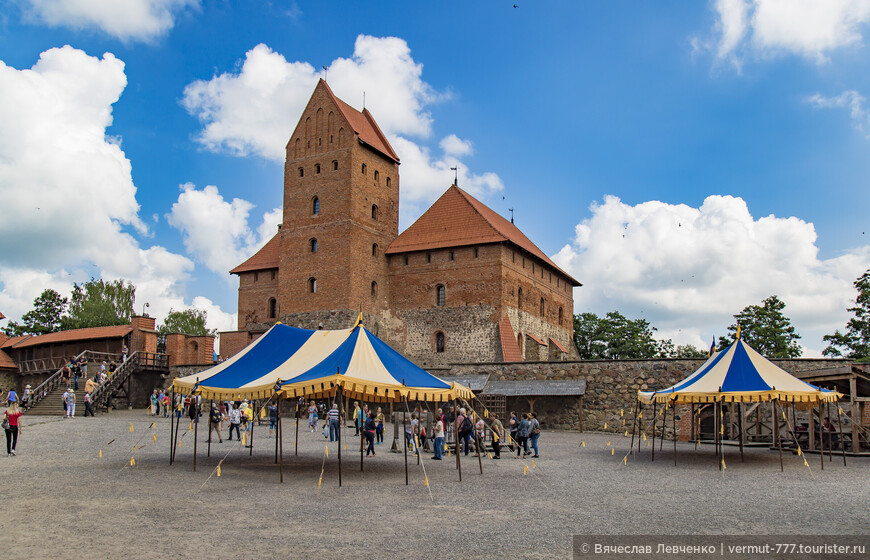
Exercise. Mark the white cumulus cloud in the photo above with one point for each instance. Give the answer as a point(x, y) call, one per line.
point(807, 28)
point(689, 270)
point(216, 231)
point(125, 19)
point(253, 111)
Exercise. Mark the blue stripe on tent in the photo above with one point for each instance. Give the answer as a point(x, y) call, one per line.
point(338, 360)
point(693, 378)
point(274, 349)
point(401, 368)
point(742, 374)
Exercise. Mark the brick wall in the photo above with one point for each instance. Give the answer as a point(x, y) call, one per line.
point(187, 349)
point(256, 289)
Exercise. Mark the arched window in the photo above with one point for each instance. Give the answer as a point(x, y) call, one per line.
point(273, 308)
point(439, 341)
point(560, 316)
point(375, 249)
point(315, 206)
point(317, 168)
point(520, 298)
point(374, 289)
point(312, 245)
point(377, 176)
point(312, 285)
point(364, 169)
point(302, 172)
point(542, 307)
point(440, 295)
point(335, 165)
point(374, 211)
point(388, 182)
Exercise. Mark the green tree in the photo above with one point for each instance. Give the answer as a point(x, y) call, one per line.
point(45, 317)
point(98, 303)
point(765, 328)
point(188, 321)
point(614, 337)
point(855, 342)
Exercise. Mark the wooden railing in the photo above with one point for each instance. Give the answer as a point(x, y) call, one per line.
point(103, 394)
point(43, 389)
point(56, 363)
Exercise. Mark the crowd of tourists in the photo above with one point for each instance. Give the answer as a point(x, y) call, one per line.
point(70, 376)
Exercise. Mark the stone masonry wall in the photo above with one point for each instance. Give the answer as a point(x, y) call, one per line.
point(611, 385)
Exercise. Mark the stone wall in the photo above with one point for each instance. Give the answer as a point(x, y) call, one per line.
point(611, 385)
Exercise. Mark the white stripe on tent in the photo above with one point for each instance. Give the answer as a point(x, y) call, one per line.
point(313, 351)
point(212, 371)
point(365, 364)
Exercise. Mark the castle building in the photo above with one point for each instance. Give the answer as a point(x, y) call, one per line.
point(461, 284)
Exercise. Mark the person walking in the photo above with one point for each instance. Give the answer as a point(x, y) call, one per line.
point(514, 427)
point(379, 426)
point(312, 416)
point(523, 436)
point(497, 436)
point(438, 431)
point(166, 403)
point(11, 425)
point(464, 428)
point(369, 433)
point(273, 418)
point(235, 420)
point(334, 419)
point(155, 403)
point(534, 432)
point(70, 403)
point(355, 416)
point(89, 408)
point(214, 422)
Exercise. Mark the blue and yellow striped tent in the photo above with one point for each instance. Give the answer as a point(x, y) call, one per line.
point(740, 374)
point(314, 364)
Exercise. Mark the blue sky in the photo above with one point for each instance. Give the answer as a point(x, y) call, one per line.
point(682, 160)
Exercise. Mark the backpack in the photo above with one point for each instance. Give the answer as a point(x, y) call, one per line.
point(466, 425)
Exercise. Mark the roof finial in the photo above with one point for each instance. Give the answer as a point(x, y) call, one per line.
point(511, 210)
point(737, 336)
point(455, 171)
point(364, 100)
point(325, 73)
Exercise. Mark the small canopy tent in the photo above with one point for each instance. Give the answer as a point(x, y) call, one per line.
point(740, 374)
point(315, 364)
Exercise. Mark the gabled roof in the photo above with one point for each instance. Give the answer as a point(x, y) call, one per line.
point(6, 362)
point(510, 350)
point(558, 345)
point(9, 342)
point(2, 316)
point(117, 331)
point(264, 259)
point(363, 124)
point(458, 219)
point(536, 339)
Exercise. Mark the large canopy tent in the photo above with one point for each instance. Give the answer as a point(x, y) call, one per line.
point(737, 374)
point(292, 362)
point(315, 364)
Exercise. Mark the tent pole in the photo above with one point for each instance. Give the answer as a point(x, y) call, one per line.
point(655, 419)
point(458, 461)
point(717, 407)
point(175, 440)
point(296, 448)
point(280, 437)
point(740, 428)
point(828, 416)
point(339, 394)
point(821, 438)
point(278, 427)
point(633, 427)
point(477, 445)
point(251, 453)
point(404, 435)
point(675, 431)
point(842, 439)
point(639, 427)
point(778, 433)
point(171, 432)
point(195, 427)
point(210, 405)
point(361, 442)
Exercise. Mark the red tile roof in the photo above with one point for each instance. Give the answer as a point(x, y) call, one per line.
point(117, 331)
point(458, 219)
point(536, 339)
point(510, 350)
point(2, 316)
point(264, 259)
point(557, 345)
point(364, 125)
point(12, 341)
point(6, 362)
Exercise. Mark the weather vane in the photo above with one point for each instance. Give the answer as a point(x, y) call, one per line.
point(455, 171)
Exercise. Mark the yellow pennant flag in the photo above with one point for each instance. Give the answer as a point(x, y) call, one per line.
point(647, 444)
point(263, 412)
point(608, 444)
point(799, 451)
point(486, 413)
point(605, 426)
point(131, 428)
point(132, 461)
point(189, 428)
point(101, 453)
point(448, 452)
point(640, 415)
point(722, 430)
point(623, 421)
point(345, 447)
point(533, 464)
point(622, 412)
point(327, 451)
point(723, 464)
point(840, 410)
point(582, 444)
point(625, 460)
point(525, 470)
point(612, 451)
point(244, 441)
point(426, 481)
point(807, 465)
point(626, 433)
point(154, 438)
point(644, 436)
point(319, 481)
point(218, 470)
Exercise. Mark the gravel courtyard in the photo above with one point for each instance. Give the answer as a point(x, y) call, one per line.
point(63, 501)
